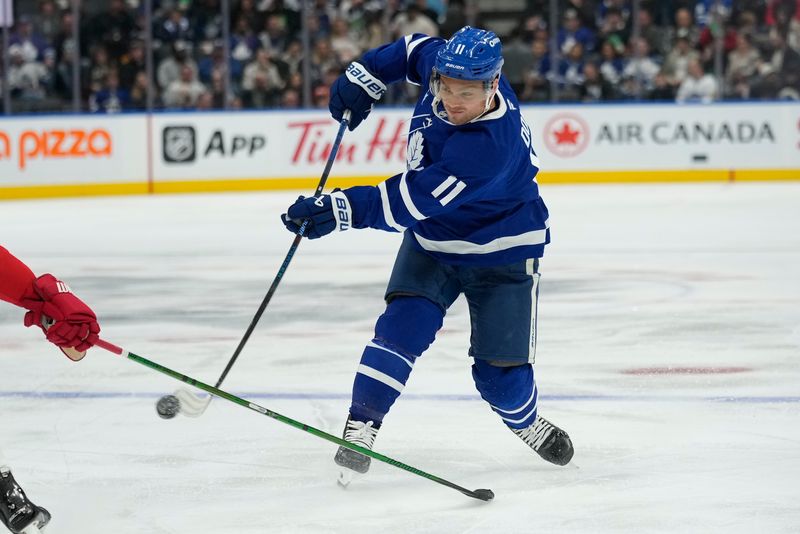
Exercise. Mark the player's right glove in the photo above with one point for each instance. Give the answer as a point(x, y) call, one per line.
point(74, 324)
point(357, 90)
point(325, 214)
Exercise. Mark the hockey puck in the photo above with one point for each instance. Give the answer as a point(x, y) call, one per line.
point(168, 406)
point(484, 494)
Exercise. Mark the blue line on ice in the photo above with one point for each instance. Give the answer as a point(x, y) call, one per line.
point(761, 399)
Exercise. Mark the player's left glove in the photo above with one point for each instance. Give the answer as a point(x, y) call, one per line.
point(357, 90)
point(325, 214)
point(74, 324)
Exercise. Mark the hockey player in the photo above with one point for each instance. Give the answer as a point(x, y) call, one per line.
point(473, 222)
point(68, 323)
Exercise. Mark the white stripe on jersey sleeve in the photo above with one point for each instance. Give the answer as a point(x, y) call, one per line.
point(535, 237)
point(387, 209)
point(454, 193)
point(409, 203)
point(410, 46)
point(443, 186)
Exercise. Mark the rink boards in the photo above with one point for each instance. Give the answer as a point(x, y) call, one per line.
point(73, 155)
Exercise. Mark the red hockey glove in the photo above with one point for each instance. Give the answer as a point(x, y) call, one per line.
point(74, 324)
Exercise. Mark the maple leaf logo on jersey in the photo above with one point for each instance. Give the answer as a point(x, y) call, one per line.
point(414, 152)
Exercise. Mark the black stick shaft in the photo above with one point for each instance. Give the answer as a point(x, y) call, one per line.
point(289, 255)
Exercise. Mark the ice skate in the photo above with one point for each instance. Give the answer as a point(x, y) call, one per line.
point(549, 441)
point(352, 463)
point(19, 514)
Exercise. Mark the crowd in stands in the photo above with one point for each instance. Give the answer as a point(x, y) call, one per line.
point(681, 50)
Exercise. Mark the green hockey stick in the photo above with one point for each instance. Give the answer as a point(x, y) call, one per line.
point(481, 494)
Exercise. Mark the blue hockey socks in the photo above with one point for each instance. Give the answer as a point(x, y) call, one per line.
point(404, 331)
point(510, 391)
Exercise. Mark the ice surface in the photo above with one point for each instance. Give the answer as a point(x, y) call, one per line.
point(641, 286)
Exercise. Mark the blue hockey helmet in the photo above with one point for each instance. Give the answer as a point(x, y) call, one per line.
point(470, 54)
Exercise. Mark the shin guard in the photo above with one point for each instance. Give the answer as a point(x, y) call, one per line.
point(404, 331)
point(510, 391)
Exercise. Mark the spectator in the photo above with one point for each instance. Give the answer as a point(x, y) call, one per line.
point(112, 29)
point(275, 35)
point(574, 32)
point(586, 11)
point(63, 71)
point(138, 92)
point(614, 31)
point(677, 63)
point(684, 27)
point(612, 65)
point(247, 10)
point(290, 99)
point(292, 58)
point(537, 87)
point(655, 35)
point(663, 90)
point(594, 88)
point(606, 7)
point(413, 20)
point(47, 21)
point(570, 72)
point(320, 96)
point(26, 79)
point(219, 96)
point(780, 73)
point(784, 16)
point(742, 67)
point(169, 70)
point(455, 18)
point(261, 83)
point(100, 67)
point(343, 44)
point(131, 63)
point(64, 36)
point(205, 102)
point(175, 27)
point(205, 20)
point(697, 86)
point(640, 71)
point(243, 43)
point(110, 98)
point(707, 41)
point(184, 92)
point(30, 44)
point(322, 60)
point(518, 60)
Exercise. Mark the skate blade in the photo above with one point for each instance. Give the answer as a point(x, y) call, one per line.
point(346, 476)
point(34, 528)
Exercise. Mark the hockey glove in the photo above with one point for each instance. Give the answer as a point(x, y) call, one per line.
point(325, 214)
point(74, 324)
point(357, 90)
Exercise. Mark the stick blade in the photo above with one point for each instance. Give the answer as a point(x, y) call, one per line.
point(192, 405)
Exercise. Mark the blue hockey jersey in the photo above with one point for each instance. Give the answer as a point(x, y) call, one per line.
point(469, 194)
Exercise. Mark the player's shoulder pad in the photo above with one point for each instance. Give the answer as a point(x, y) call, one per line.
point(418, 47)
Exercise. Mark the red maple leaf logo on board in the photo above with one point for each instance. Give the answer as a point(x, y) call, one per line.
point(566, 135)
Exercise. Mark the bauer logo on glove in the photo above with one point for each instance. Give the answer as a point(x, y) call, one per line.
point(356, 73)
point(357, 90)
point(324, 214)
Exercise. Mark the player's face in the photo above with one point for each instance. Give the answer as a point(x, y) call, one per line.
point(463, 100)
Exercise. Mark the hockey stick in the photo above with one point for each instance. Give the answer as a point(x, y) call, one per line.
point(482, 494)
point(192, 405)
